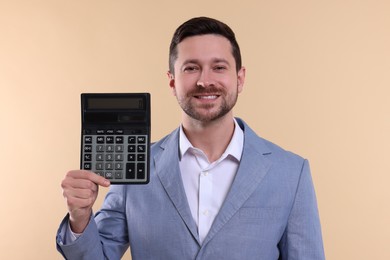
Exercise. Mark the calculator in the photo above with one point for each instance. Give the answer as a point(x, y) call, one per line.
point(115, 136)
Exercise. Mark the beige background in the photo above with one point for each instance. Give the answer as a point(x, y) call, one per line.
point(317, 83)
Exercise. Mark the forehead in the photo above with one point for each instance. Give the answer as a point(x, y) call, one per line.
point(204, 47)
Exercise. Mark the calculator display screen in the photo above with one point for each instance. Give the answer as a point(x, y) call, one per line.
point(116, 103)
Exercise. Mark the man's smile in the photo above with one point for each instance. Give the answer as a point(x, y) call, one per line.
point(206, 97)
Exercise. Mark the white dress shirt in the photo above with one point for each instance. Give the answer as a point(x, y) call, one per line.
point(207, 184)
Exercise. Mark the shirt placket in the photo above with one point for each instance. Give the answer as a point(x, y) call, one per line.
point(206, 212)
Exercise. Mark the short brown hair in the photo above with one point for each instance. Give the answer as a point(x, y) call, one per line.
point(201, 26)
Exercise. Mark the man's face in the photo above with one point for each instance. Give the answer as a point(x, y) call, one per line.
point(205, 81)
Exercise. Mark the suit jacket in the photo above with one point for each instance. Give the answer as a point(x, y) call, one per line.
point(269, 213)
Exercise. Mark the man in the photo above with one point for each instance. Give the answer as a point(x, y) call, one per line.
point(217, 190)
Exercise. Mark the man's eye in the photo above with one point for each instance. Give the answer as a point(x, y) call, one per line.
point(190, 69)
point(219, 68)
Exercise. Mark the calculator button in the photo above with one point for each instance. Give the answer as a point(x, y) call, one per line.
point(100, 132)
point(87, 166)
point(109, 175)
point(109, 148)
point(88, 148)
point(87, 157)
point(99, 157)
point(88, 139)
point(131, 157)
point(118, 175)
point(118, 166)
point(131, 148)
point(119, 139)
point(141, 139)
point(100, 148)
point(119, 148)
point(100, 173)
point(140, 170)
point(140, 157)
point(109, 139)
point(100, 139)
point(99, 166)
point(131, 140)
point(141, 148)
point(118, 157)
point(130, 170)
point(119, 131)
point(109, 157)
point(109, 166)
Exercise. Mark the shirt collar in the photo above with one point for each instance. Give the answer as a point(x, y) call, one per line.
point(234, 148)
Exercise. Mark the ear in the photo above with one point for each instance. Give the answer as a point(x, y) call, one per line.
point(241, 79)
point(171, 79)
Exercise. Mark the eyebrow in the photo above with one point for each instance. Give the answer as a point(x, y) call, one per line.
point(214, 60)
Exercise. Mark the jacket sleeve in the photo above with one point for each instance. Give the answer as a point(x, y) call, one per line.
point(302, 239)
point(106, 235)
point(87, 246)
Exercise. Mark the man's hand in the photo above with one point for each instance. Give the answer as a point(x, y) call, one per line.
point(80, 189)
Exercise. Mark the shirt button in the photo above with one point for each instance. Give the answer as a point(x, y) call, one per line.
point(206, 212)
point(205, 173)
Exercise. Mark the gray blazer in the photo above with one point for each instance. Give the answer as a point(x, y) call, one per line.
point(269, 213)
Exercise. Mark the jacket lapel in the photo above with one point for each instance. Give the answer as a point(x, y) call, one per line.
point(253, 167)
point(168, 171)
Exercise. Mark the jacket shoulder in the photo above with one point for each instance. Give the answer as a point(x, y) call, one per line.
point(275, 152)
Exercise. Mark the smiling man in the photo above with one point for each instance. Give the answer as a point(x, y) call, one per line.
point(217, 190)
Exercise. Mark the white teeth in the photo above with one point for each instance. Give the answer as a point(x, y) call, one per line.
point(207, 97)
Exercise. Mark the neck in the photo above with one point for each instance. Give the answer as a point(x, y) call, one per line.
point(211, 137)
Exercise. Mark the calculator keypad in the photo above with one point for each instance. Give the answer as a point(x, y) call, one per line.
point(119, 157)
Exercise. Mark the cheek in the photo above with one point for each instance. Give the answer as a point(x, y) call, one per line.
point(230, 84)
point(184, 84)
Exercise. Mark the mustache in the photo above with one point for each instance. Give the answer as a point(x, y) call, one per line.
point(205, 91)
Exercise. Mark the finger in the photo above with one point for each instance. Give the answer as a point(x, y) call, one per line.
point(96, 178)
point(80, 193)
point(78, 203)
point(72, 183)
point(88, 175)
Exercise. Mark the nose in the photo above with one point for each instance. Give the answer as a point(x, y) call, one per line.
point(205, 80)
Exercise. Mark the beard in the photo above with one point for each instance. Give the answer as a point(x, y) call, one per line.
point(207, 112)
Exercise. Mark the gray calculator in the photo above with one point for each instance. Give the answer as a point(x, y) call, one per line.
point(115, 136)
